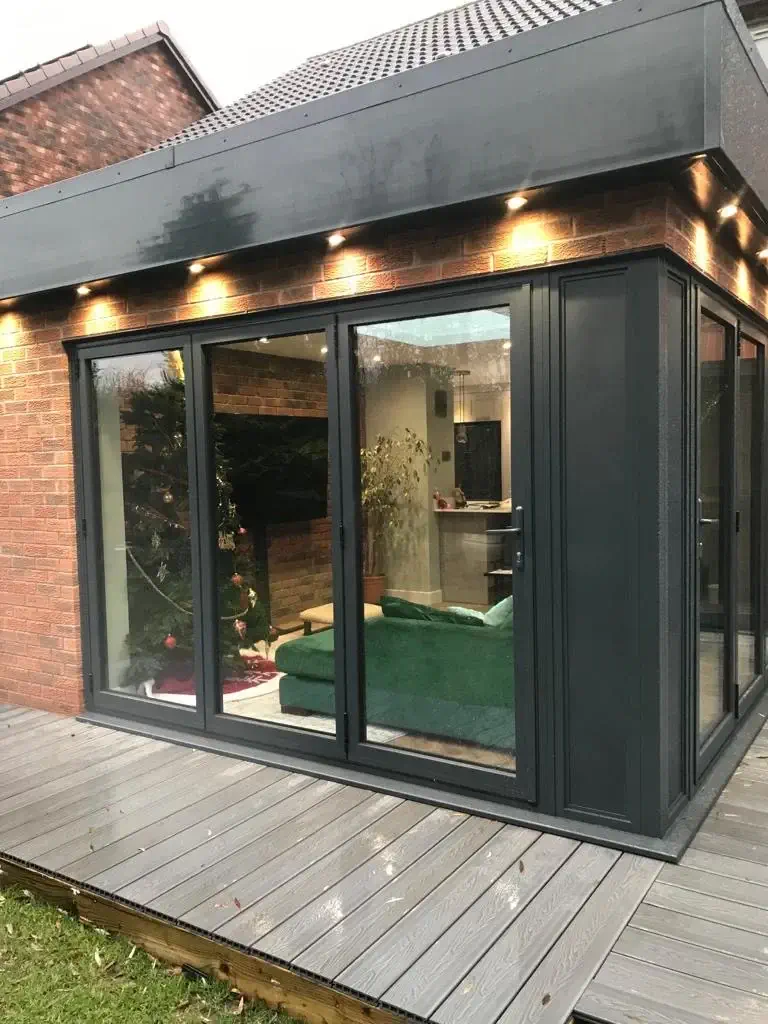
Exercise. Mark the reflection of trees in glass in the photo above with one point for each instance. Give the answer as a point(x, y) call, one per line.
point(208, 221)
point(158, 535)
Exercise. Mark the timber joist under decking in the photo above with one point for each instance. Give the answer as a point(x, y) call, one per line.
point(255, 977)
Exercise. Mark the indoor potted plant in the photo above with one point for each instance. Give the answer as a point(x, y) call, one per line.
point(390, 473)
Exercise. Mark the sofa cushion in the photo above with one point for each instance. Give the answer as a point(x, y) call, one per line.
point(501, 616)
point(399, 608)
point(309, 656)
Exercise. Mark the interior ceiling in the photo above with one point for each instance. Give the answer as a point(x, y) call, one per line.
point(291, 346)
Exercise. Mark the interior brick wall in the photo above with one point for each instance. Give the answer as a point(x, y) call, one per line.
point(298, 553)
point(109, 114)
point(39, 636)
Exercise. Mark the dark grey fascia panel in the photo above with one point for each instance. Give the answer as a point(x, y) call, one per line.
point(625, 86)
point(744, 99)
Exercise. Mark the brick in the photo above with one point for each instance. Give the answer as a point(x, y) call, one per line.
point(134, 102)
point(577, 249)
point(480, 264)
point(524, 258)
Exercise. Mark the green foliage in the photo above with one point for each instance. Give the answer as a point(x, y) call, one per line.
point(390, 472)
point(159, 543)
point(55, 970)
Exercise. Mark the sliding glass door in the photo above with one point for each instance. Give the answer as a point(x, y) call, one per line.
point(440, 635)
point(315, 536)
point(730, 427)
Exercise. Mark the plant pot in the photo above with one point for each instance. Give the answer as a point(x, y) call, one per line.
point(373, 588)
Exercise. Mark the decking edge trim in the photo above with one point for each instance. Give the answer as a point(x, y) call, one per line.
point(254, 975)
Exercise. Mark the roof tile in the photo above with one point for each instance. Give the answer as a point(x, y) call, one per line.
point(443, 35)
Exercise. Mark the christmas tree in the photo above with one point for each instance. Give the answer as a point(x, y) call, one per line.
point(159, 544)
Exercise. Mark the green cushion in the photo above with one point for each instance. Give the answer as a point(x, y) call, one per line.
point(399, 608)
point(501, 616)
point(420, 676)
point(308, 656)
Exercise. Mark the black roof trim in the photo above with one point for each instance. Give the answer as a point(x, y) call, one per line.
point(638, 84)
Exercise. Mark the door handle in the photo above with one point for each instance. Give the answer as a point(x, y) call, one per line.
point(516, 531)
point(708, 522)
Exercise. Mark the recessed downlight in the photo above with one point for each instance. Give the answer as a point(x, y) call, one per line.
point(762, 254)
point(196, 267)
point(83, 290)
point(516, 202)
point(727, 211)
point(336, 239)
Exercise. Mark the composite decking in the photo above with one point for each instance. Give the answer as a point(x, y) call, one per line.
point(411, 909)
point(696, 949)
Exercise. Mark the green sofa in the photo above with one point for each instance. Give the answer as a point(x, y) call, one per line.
point(449, 679)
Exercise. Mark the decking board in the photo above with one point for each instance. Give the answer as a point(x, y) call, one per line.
point(439, 915)
point(696, 949)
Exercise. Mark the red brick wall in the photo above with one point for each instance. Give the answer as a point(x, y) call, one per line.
point(298, 553)
point(109, 114)
point(39, 621)
point(39, 651)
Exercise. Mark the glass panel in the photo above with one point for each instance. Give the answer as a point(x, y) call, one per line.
point(748, 455)
point(435, 477)
point(274, 582)
point(140, 404)
point(714, 402)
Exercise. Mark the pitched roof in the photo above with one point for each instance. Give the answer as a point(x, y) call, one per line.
point(441, 35)
point(25, 84)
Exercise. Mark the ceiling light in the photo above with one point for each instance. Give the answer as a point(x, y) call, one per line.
point(762, 254)
point(507, 346)
point(263, 341)
point(516, 202)
point(324, 350)
point(335, 239)
point(83, 289)
point(728, 211)
point(196, 268)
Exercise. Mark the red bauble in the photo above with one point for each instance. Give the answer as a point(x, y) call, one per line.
point(237, 580)
point(169, 642)
point(242, 531)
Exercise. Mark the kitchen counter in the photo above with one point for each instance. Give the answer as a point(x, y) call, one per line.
point(468, 554)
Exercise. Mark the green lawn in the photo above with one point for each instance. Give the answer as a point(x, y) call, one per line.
point(55, 970)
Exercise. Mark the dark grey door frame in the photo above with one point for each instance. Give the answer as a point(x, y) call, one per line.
point(85, 426)
point(519, 296)
point(229, 726)
point(706, 751)
point(749, 332)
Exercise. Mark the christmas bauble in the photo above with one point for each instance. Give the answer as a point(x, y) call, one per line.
point(237, 580)
point(242, 531)
point(167, 497)
point(169, 642)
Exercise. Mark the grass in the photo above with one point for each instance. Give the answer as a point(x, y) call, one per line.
point(56, 970)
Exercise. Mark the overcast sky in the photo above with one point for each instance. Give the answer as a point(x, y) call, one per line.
point(235, 45)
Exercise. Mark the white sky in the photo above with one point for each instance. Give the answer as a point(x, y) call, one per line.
point(235, 45)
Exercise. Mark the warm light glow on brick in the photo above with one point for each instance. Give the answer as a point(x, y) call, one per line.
point(702, 246)
point(529, 233)
point(10, 325)
point(743, 280)
point(210, 288)
point(703, 186)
